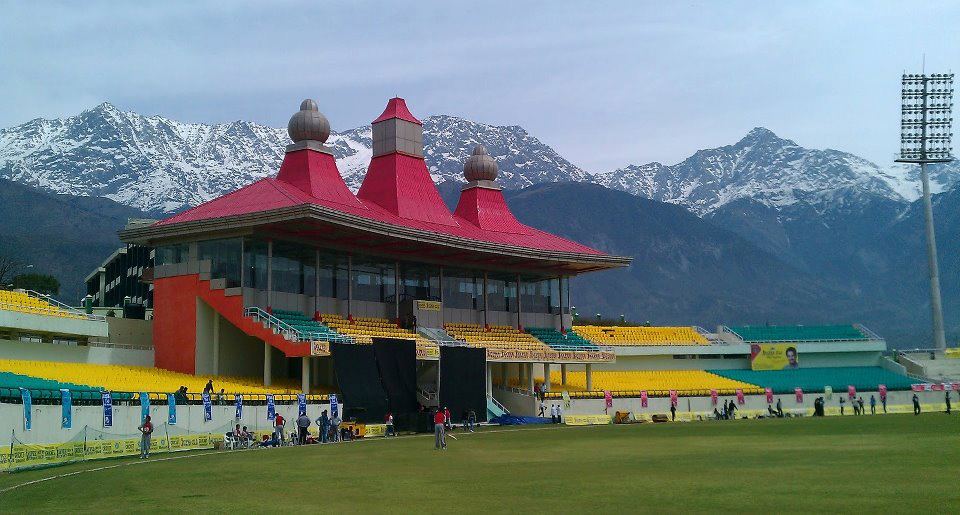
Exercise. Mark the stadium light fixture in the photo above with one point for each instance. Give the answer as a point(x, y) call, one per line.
point(925, 133)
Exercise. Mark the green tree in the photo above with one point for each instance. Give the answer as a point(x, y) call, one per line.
point(41, 283)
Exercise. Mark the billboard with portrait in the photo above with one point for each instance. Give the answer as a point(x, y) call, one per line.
point(773, 356)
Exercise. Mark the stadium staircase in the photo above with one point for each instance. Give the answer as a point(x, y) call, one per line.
point(435, 334)
point(254, 322)
point(495, 409)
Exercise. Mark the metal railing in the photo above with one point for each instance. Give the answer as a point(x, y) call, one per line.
point(87, 397)
point(48, 311)
point(70, 309)
point(291, 333)
point(498, 405)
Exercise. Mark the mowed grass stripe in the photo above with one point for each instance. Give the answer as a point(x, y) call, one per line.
point(863, 464)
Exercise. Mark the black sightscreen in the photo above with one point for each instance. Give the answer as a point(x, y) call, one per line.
point(358, 380)
point(463, 381)
point(397, 361)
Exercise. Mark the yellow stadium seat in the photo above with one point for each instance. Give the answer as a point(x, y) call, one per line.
point(639, 335)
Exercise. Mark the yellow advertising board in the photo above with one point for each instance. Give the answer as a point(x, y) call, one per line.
point(374, 430)
point(429, 305)
point(586, 420)
point(26, 456)
point(773, 356)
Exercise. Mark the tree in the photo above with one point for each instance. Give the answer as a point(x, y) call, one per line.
point(10, 265)
point(40, 283)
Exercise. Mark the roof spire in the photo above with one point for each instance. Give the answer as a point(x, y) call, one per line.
point(308, 128)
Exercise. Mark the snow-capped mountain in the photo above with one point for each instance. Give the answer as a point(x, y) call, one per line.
point(157, 164)
point(773, 171)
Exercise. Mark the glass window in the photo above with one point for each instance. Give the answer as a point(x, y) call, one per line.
point(224, 257)
point(372, 281)
point(173, 254)
point(255, 263)
point(421, 283)
point(294, 268)
point(462, 289)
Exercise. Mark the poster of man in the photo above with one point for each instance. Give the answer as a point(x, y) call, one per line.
point(773, 356)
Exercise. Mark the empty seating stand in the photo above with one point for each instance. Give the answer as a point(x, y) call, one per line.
point(495, 337)
point(365, 329)
point(814, 379)
point(641, 335)
point(654, 382)
point(307, 326)
point(25, 303)
point(559, 341)
point(798, 333)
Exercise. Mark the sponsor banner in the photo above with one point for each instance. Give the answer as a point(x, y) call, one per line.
point(828, 392)
point(937, 387)
point(851, 391)
point(107, 401)
point(144, 405)
point(882, 389)
point(207, 407)
point(548, 356)
point(586, 420)
point(643, 399)
point(769, 393)
point(740, 398)
point(29, 456)
point(301, 403)
point(773, 356)
point(334, 406)
point(608, 398)
point(429, 305)
point(713, 397)
point(375, 430)
point(271, 408)
point(673, 397)
point(171, 409)
point(566, 399)
point(955, 386)
point(431, 352)
point(319, 348)
point(919, 387)
point(66, 411)
point(953, 352)
point(27, 409)
point(238, 405)
point(798, 392)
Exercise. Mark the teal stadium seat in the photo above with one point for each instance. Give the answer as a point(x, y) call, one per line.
point(814, 379)
point(41, 389)
point(558, 341)
point(798, 333)
point(307, 326)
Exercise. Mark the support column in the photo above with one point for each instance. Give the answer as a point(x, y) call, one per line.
point(530, 382)
point(349, 286)
point(589, 370)
point(314, 372)
point(546, 375)
point(562, 325)
point(442, 320)
point(316, 288)
point(503, 375)
point(267, 365)
point(519, 310)
point(396, 290)
point(933, 268)
point(563, 374)
point(216, 342)
point(489, 379)
point(269, 274)
point(305, 375)
point(486, 302)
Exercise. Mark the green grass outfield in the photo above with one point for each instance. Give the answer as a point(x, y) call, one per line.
point(892, 463)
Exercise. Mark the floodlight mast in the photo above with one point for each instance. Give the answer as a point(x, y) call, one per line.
point(925, 124)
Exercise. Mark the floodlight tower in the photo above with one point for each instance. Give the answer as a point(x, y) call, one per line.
point(925, 123)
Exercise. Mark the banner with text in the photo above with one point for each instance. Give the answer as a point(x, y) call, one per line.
point(773, 356)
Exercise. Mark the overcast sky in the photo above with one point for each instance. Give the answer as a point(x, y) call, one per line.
point(606, 84)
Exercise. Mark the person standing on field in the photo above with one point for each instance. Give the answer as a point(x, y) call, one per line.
point(948, 401)
point(883, 402)
point(673, 411)
point(916, 404)
point(146, 430)
point(842, 402)
point(440, 439)
point(278, 423)
point(873, 405)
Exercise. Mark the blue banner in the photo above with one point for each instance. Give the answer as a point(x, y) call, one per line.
point(107, 409)
point(271, 408)
point(27, 409)
point(66, 418)
point(172, 411)
point(207, 407)
point(302, 403)
point(239, 404)
point(334, 407)
point(144, 406)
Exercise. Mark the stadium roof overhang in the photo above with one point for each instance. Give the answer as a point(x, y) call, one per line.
point(324, 227)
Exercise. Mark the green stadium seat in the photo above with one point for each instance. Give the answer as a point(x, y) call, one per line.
point(799, 333)
point(814, 379)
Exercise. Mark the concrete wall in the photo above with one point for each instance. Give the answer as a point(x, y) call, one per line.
point(516, 403)
point(130, 331)
point(46, 420)
point(75, 353)
point(930, 400)
point(30, 323)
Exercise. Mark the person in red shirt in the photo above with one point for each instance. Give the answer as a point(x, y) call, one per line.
point(439, 434)
point(446, 418)
point(279, 422)
point(146, 430)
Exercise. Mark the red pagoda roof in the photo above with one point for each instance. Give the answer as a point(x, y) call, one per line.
point(397, 108)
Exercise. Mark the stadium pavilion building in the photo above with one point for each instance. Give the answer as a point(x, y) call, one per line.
point(263, 278)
